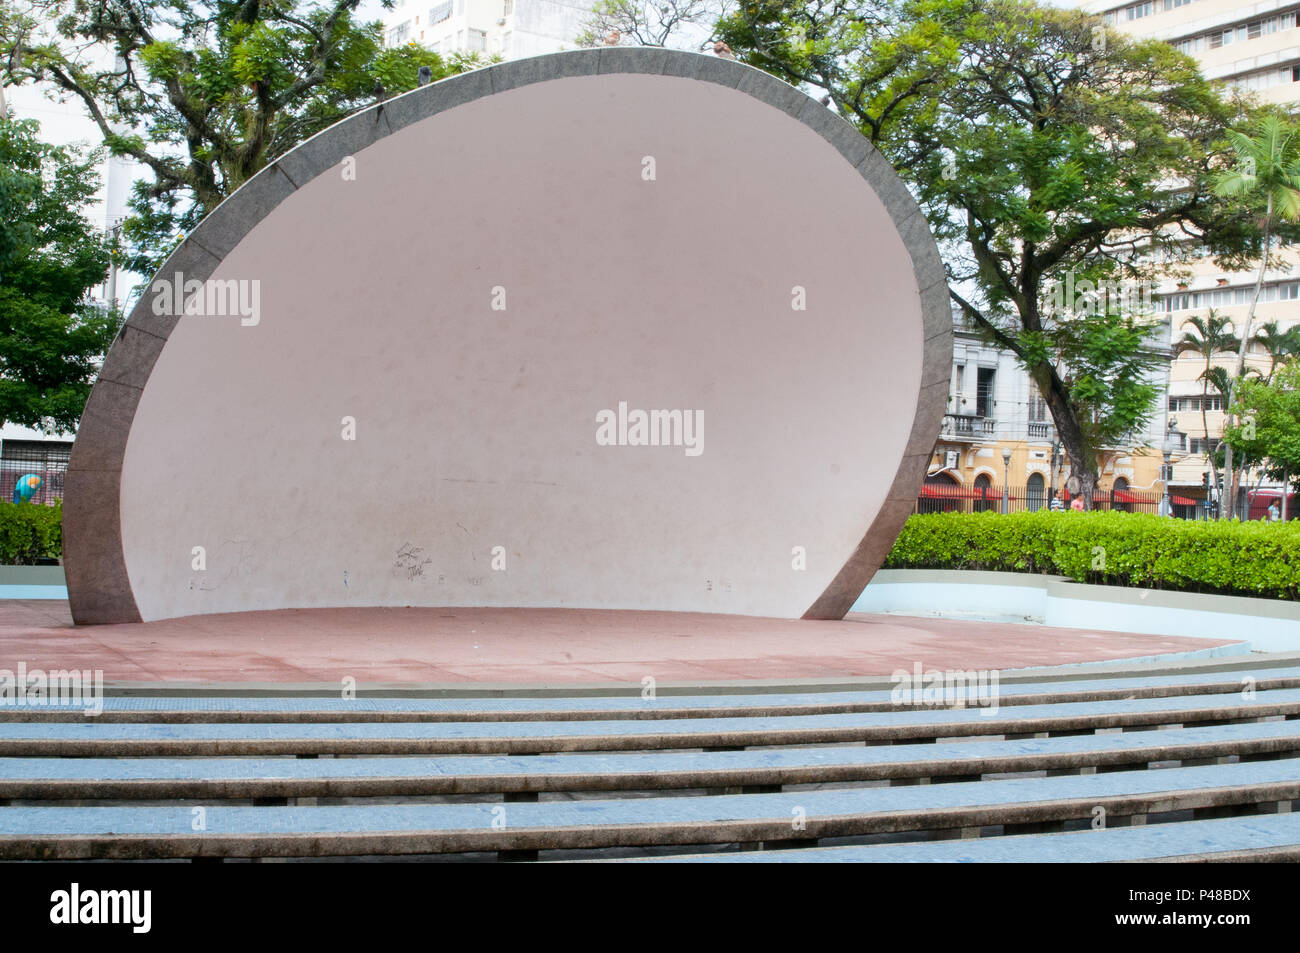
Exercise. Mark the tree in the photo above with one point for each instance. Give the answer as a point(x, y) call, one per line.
point(206, 94)
point(51, 338)
point(1267, 174)
point(1268, 422)
point(1211, 338)
point(647, 24)
point(1042, 147)
point(1278, 344)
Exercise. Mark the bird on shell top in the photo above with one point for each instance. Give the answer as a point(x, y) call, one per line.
point(721, 49)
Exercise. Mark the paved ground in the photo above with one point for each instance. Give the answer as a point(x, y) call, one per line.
point(538, 646)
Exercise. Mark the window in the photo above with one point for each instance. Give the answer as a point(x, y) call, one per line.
point(1037, 406)
point(478, 41)
point(1137, 11)
point(1193, 404)
point(399, 34)
point(1035, 492)
point(508, 8)
point(984, 391)
point(1227, 297)
point(986, 502)
point(1117, 502)
point(40, 454)
point(460, 39)
point(441, 12)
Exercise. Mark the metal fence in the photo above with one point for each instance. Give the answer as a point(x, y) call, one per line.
point(51, 488)
point(937, 498)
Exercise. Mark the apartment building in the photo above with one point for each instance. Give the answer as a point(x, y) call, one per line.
point(1255, 47)
point(508, 28)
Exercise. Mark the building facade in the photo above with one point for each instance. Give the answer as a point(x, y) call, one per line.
point(507, 28)
point(998, 433)
point(1255, 47)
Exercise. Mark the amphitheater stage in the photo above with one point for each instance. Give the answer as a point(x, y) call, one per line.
point(451, 647)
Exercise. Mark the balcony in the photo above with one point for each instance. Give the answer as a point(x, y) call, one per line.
point(968, 427)
point(1041, 430)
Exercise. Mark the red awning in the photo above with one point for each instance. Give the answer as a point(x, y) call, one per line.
point(1124, 497)
point(1182, 500)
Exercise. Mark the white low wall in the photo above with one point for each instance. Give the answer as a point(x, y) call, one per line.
point(1270, 625)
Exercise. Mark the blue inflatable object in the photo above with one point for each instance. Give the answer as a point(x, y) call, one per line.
point(26, 487)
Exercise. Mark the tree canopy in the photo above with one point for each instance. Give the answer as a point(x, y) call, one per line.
point(1268, 428)
point(51, 338)
point(1047, 151)
point(205, 94)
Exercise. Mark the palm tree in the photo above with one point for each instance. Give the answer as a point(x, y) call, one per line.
point(1279, 344)
point(1212, 337)
point(1268, 169)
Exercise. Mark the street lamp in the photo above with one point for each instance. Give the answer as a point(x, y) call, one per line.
point(1173, 443)
point(1055, 472)
point(1006, 479)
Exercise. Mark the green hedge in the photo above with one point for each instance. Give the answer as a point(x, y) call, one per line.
point(1117, 549)
point(29, 532)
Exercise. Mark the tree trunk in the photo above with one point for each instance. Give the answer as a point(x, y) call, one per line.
point(1205, 429)
point(1231, 476)
point(1286, 486)
point(1083, 461)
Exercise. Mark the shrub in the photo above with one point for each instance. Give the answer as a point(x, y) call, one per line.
point(1119, 549)
point(29, 532)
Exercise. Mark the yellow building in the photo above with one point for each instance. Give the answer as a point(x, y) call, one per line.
point(998, 431)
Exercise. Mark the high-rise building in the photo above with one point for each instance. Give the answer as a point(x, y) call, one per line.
point(508, 28)
point(1253, 46)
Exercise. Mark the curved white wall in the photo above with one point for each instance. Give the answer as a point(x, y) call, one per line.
point(477, 428)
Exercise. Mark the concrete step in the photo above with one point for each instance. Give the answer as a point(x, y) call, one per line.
point(47, 739)
point(181, 709)
point(258, 777)
point(157, 832)
point(1274, 837)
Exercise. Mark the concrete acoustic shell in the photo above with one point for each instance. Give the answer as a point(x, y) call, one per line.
point(395, 385)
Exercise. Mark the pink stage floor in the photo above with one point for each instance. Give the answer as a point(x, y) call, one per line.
point(538, 646)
